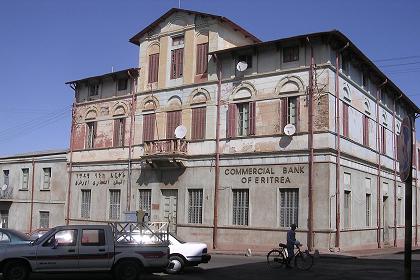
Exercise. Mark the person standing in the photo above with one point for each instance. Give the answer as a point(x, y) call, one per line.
point(291, 241)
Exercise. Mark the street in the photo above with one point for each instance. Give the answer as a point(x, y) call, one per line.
point(244, 268)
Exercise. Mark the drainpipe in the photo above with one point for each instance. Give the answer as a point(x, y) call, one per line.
point(32, 195)
point(310, 147)
point(130, 140)
point(415, 180)
point(217, 164)
point(378, 181)
point(70, 171)
point(395, 171)
point(338, 145)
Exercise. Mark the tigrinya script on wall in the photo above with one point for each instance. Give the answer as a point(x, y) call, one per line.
point(265, 175)
point(100, 178)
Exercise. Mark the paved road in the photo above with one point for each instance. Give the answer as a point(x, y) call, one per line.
point(246, 268)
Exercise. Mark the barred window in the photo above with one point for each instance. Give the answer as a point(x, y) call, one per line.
point(85, 207)
point(114, 204)
point(289, 205)
point(145, 200)
point(347, 209)
point(368, 210)
point(47, 178)
point(44, 219)
point(240, 206)
point(195, 206)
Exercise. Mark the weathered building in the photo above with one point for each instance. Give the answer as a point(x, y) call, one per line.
point(236, 180)
point(33, 192)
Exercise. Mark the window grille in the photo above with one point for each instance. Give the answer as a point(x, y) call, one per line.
point(240, 207)
point(195, 206)
point(114, 204)
point(289, 206)
point(85, 207)
point(90, 141)
point(44, 219)
point(145, 200)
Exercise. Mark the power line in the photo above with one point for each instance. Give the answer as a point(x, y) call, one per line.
point(397, 58)
point(399, 64)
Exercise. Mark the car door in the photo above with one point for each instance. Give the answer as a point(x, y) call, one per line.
point(94, 252)
point(59, 252)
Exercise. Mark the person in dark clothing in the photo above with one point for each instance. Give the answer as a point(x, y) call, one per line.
point(291, 241)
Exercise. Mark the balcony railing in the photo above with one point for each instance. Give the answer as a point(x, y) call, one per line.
point(6, 192)
point(166, 147)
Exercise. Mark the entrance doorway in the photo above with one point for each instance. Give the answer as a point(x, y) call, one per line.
point(385, 219)
point(169, 202)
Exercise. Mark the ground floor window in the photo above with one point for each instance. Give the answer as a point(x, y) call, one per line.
point(4, 218)
point(240, 207)
point(195, 206)
point(289, 205)
point(114, 204)
point(368, 209)
point(85, 207)
point(44, 219)
point(145, 200)
point(347, 209)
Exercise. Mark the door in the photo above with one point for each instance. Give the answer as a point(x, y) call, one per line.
point(169, 202)
point(94, 253)
point(385, 219)
point(59, 252)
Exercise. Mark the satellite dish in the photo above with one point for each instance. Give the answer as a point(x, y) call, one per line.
point(4, 187)
point(290, 129)
point(180, 131)
point(241, 66)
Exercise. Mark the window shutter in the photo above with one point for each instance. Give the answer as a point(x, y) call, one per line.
point(231, 121)
point(252, 107)
point(198, 123)
point(202, 53)
point(173, 64)
point(383, 140)
point(173, 119)
point(297, 113)
point(180, 62)
point(149, 127)
point(283, 112)
point(366, 130)
point(153, 67)
point(116, 132)
point(345, 120)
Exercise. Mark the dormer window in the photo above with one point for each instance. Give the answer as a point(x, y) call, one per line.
point(122, 84)
point(246, 58)
point(291, 54)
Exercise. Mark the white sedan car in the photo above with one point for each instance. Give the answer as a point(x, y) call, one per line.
point(185, 254)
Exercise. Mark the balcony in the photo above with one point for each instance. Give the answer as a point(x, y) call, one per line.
point(6, 193)
point(165, 153)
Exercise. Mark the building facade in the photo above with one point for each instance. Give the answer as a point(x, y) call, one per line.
point(33, 193)
point(196, 136)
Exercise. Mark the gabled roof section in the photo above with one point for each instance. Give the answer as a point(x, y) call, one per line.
point(135, 39)
point(133, 71)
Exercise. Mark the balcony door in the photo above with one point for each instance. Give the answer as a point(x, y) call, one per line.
point(169, 207)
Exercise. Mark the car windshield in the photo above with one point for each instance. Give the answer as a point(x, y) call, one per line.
point(179, 239)
point(19, 235)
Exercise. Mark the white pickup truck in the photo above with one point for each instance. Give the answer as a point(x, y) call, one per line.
point(84, 248)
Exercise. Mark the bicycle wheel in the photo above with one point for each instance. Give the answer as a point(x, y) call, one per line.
point(304, 261)
point(275, 258)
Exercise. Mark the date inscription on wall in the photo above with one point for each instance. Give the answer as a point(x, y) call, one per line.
point(104, 178)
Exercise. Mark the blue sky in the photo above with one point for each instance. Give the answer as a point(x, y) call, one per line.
point(45, 43)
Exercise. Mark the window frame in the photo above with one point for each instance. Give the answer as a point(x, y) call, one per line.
point(198, 123)
point(46, 184)
point(115, 204)
point(142, 200)
point(368, 210)
point(24, 186)
point(120, 86)
point(284, 220)
point(101, 238)
point(153, 68)
point(42, 219)
point(91, 134)
point(347, 224)
point(85, 204)
point(195, 206)
point(246, 58)
point(290, 54)
point(241, 217)
point(119, 132)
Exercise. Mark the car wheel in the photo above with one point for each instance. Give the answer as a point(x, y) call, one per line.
point(15, 271)
point(126, 270)
point(176, 265)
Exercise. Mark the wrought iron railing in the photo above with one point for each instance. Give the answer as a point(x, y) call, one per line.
point(165, 147)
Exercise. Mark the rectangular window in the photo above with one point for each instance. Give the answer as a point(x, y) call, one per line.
point(122, 84)
point(365, 80)
point(202, 58)
point(6, 177)
point(198, 123)
point(119, 132)
point(177, 41)
point(291, 54)
point(347, 180)
point(85, 207)
point(93, 237)
point(289, 111)
point(4, 218)
point(383, 140)
point(153, 68)
point(46, 182)
point(365, 130)
point(247, 59)
point(240, 207)
point(368, 210)
point(91, 135)
point(345, 64)
point(177, 58)
point(347, 209)
point(399, 211)
point(289, 206)
point(93, 90)
point(149, 122)
point(44, 219)
point(145, 200)
point(292, 110)
point(345, 120)
point(173, 120)
point(25, 178)
point(114, 204)
point(243, 119)
point(195, 206)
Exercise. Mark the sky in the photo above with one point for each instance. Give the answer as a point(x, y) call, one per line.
point(44, 43)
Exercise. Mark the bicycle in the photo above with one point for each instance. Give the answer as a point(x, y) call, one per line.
point(278, 257)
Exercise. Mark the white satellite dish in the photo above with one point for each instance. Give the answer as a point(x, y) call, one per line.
point(4, 187)
point(241, 66)
point(290, 129)
point(180, 131)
